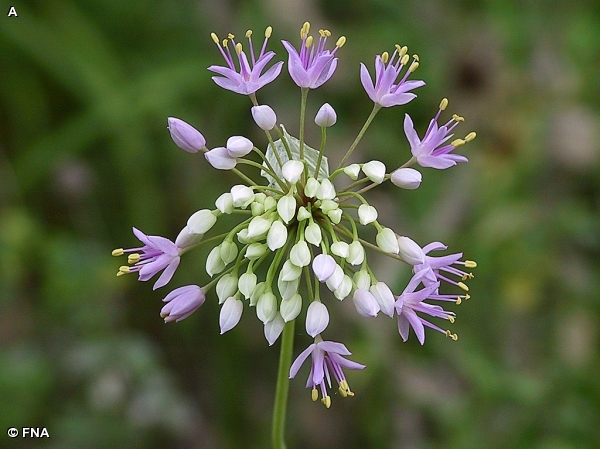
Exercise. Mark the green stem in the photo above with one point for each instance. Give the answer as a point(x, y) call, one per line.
point(374, 112)
point(321, 150)
point(302, 115)
point(283, 384)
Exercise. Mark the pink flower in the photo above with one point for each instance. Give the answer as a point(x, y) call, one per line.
point(182, 302)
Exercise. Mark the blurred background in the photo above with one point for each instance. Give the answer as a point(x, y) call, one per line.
point(85, 90)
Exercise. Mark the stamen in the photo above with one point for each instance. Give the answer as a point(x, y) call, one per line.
point(304, 30)
point(463, 286)
point(458, 118)
point(224, 42)
point(457, 143)
point(238, 48)
point(314, 394)
point(120, 273)
point(451, 319)
point(248, 34)
point(451, 335)
point(133, 258)
point(385, 56)
point(230, 36)
point(470, 264)
point(327, 401)
point(416, 57)
point(309, 41)
point(124, 269)
point(401, 50)
point(470, 137)
point(268, 32)
point(467, 297)
point(322, 33)
point(414, 66)
point(214, 37)
point(443, 104)
point(342, 391)
point(340, 42)
point(458, 301)
point(404, 60)
point(118, 252)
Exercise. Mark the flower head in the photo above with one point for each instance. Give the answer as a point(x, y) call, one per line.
point(182, 302)
point(313, 65)
point(248, 78)
point(326, 360)
point(431, 151)
point(388, 90)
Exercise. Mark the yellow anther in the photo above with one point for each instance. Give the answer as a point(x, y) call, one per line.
point(343, 392)
point(464, 277)
point(326, 401)
point(416, 57)
point(309, 41)
point(230, 36)
point(467, 297)
point(224, 43)
point(238, 48)
point(443, 104)
point(248, 33)
point(404, 59)
point(327, 33)
point(340, 42)
point(401, 50)
point(304, 30)
point(117, 252)
point(124, 269)
point(455, 337)
point(458, 118)
point(458, 301)
point(448, 333)
point(214, 37)
point(457, 142)
point(133, 258)
point(451, 319)
point(451, 335)
point(322, 33)
point(471, 275)
point(314, 394)
point(463, 286)
point(120, 273)
point(385, 56)
point(268, 32)
point(414, 66)
point(470, 137)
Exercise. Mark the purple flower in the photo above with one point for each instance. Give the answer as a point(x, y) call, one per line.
point(247, 79)
point(158, 253)
point(185, 135)
point(326, 360)
point(430, 269)
point(410, 302)
point(313, 65)
point(387, 91)
point(431, 151)
point(182, 302)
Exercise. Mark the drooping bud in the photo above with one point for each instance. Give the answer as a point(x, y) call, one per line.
point(242, 196)
point(230, 314)
point(352, 171)
point(182, 302)
point(225, 203)
point(340, 249)
point(335, 280)
point(326, 116)
point(366, 214)
point(214, 263)
point(312, 234)
point(317, 318)
point(226, 287)
point(185, 238)
point(266, 307)
point(264, 116)
point(326, 191)
point(201, 222)
point(258, 227)
point(185, 135)
point(406, 178)
point(289, 271)
point(365, 303)
point(277, 235)
point(292, 170)
point(286, 208)
point(384, 296)
point(375, 171)
point(220, 159)
point(238, 146)
point(410, 251)
point(362, 279)
point(311, 187)
point(335, 215)
point(387, 240)
point(290, 308)
point(323, 266)
point(247, 284)
point(287, 289)
point(228, 252)
point(300, 254)
point(257, 293)
point(356, 253)
point(273, 329)
point(344, 289)
point(255, 251)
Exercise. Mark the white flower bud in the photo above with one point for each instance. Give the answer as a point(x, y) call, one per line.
point(243, 237)
point(273, 329)
point(387, 240)
point(255, 250)
point(406, 178)
point(323, 266)
point(270, 203)
point(356, 253)
point(260, 198)
point(247, 284)
point(264, 117)
point(352, 171)
point(311, 187)
point(220, 159)
point(366, 214)
point(185, 238)
point(225, 203)
point(328, 205)
point(257, 293)
point(375, 171)
point(326, 190)
point(228, 252)
point(287, 289)
point(286, 208)
point(300, 254)
point(317, 318)
point(410, 251)
point(290, 308)
point(344, 289)
point(277, 235)
point(258, 228)
point(242, 196)
point(201, 222)
point(312, 234)
point(238, 146)
point(335, 216)
point(385, 298)
point(289, 271)
point(266, 307)
point(230, 315)
point(340, 249)
point(362, 279)
point(335, 280)
point(326, 116)
point(185, 135)
point(214, 263)
point(303, 214)
point(226, 287)
point(365, 303)
point(292, 170)
point(257, 208)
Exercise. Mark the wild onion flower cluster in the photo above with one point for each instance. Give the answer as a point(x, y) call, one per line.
point(304, 232)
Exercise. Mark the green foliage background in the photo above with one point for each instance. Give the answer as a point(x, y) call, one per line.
point(85, 89)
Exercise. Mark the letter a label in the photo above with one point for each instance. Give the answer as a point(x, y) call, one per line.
point(12, 12)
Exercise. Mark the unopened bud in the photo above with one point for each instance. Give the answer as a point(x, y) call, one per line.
point(185, 135)
point(264, 117)
point(326, 116)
